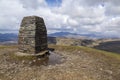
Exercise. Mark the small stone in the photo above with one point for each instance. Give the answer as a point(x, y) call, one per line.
point(109, 71)
point(10, 77)
point(30, 62)
point(85, 77)
point(14, 63)
point(15, 71)
point(79, 51)
point(101, 69)
point(39, 59)
point(23, 61)
point(34, 60)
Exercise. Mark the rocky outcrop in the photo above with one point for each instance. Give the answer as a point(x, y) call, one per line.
point(32, 35)
point(70, 41)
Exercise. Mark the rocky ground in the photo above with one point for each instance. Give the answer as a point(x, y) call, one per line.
point(67, 63)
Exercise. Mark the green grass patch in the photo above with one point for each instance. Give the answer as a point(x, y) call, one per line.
point(91, 51)
point(20, 58)
point(3, 46)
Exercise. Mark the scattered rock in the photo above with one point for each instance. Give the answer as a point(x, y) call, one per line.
point(108, 71)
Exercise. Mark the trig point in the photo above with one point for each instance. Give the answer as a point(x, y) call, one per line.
point(32, 35)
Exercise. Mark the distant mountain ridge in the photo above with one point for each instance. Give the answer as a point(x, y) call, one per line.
point(61, 34)
point(67, 34)
point(64, 38)
point(8, 37)
point(75, 35)
point(14, 36)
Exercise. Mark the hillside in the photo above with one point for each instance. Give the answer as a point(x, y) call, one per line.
point(111, 46)
point(65, 63)
point(69, 41)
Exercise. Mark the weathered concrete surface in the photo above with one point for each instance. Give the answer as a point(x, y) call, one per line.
point(32, 35)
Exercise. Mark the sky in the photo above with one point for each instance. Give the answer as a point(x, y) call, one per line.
point(76, 16)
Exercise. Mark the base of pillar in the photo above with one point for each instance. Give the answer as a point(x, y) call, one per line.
point(39, 55)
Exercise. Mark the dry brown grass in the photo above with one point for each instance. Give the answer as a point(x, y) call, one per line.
point(79, 63)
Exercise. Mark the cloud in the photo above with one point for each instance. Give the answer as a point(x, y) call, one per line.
point(10, 13)
point(33, 4)
point(79, 16)
point(112, 10)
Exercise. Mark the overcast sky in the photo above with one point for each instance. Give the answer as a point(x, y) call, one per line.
point(77, 16)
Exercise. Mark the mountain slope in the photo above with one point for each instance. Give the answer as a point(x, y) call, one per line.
point(76, 63)
point(111, 46)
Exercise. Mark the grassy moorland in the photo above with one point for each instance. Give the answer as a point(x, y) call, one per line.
point(75, 63)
